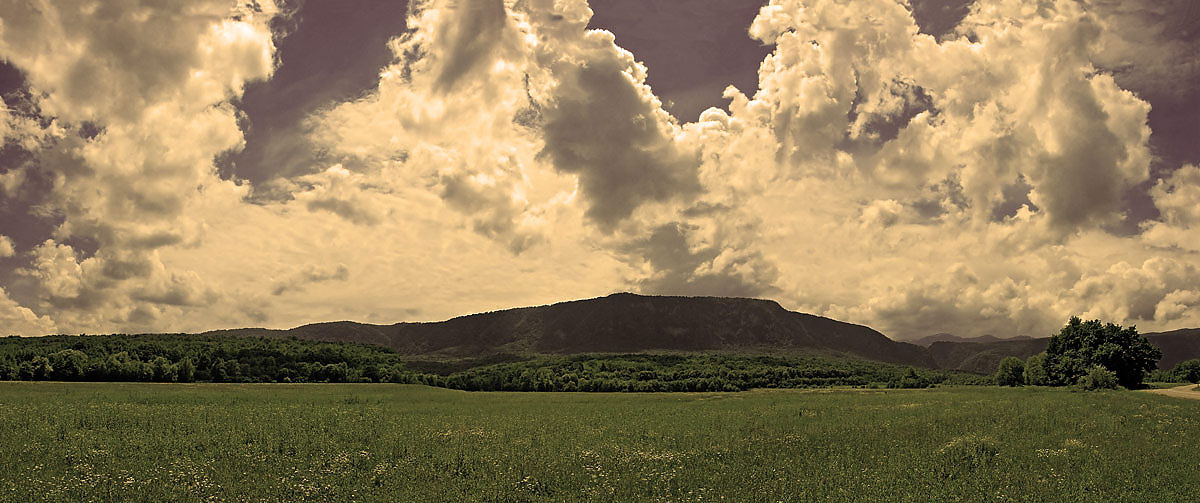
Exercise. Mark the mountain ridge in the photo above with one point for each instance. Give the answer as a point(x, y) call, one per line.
point(631, 323)
point(617, 323)
point(948, 337)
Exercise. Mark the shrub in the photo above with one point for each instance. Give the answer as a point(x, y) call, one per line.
point(1158, 375)
point(1011, 372)
point(909, 380)
point(1188, 371)
point(1098, 378)
point(1035, 370)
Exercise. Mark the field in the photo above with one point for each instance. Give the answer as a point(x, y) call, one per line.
point(382, 442)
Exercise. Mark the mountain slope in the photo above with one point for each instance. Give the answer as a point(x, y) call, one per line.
point(1176, 345)
point(984, 357)
point(622, 323)
point(945, 337)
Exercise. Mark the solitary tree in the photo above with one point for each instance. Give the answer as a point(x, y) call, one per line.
point(1080, 345)
point(1011, 372)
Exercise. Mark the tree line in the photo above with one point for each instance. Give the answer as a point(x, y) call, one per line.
point(188, 358)
point(705, 372)
point(191, 358)
point(1091, 355)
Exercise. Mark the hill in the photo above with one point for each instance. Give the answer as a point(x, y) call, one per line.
point(945, 337)
point(984, 357)
point(622, 323)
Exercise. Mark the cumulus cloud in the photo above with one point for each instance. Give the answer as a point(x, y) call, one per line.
point(1159, 288)
point(870, 156)
point(340, 192)
point(133, 103)
point(19, 320)
point(6, 247)
point(509, 155)
point(1176, 199)
point(96, 61)
point(311, 274)
point(603, 123)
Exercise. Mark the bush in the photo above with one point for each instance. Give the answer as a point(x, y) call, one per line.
point(1188, 371)
point(1158, 375)
point(1011, 372)
point(1035, 370)
point(1098, 378)
point(910, 380)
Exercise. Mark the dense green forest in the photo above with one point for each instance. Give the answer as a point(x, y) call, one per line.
point(696, 372)
point(188, 358)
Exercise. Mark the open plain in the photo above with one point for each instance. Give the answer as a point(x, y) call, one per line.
point(382, 442)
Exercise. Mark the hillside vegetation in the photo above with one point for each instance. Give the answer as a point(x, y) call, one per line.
point(188, 358)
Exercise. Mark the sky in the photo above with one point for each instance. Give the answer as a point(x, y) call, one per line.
point(971, 167)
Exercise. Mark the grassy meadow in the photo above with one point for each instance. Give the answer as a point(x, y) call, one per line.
point(382, 442)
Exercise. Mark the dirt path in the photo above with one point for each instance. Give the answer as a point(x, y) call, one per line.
point(1186, 391)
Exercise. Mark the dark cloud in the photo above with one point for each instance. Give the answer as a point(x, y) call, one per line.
point(683, 269)
point(332, 52)
point(604, 128)
point(469, 40)
point(693, 50)
point(311, 274)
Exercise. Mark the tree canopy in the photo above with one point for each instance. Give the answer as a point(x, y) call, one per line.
point(1082, 345)
point(1011, 372)
point(1188, 371)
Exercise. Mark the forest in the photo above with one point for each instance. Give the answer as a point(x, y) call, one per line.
point(205, 358)
point(189, 358)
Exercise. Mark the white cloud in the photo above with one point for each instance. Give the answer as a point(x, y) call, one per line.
point(18, 320)
point(154, 81)
point(6, 247)
point(509, 156)
point(1176, 198)
point(115, 59)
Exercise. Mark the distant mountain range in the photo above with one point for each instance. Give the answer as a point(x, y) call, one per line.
point(629, 323)
point(944, 337)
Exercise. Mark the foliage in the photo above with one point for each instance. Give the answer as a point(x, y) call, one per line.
point(1080, 345)
point(1098, 378)
point(305, 443)
point(187, 358)
point(1035, 370)
point(1187, 371)
point(1011, 372)
point(912, 379)
point(693, 372)
point(183, 358)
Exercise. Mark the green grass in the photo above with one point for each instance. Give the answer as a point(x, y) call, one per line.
point(294, 443)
